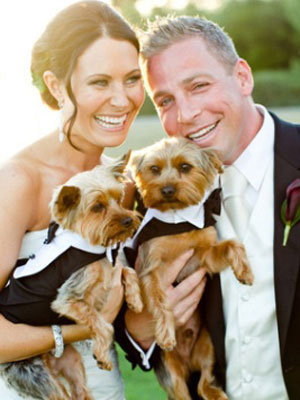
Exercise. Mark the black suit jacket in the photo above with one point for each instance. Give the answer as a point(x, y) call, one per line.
point(286, 269)
point(286, 275)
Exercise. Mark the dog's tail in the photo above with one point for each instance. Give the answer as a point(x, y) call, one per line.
point(30, 378)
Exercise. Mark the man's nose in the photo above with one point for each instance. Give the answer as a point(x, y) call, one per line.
point(186, 111)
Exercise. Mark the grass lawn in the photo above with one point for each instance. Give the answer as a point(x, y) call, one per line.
point(140, 385)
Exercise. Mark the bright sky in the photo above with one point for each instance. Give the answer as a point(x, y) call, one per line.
point(24, 117)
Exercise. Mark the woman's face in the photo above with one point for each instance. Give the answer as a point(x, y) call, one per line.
point(109, 92)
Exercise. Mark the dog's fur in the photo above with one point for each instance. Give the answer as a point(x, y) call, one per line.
point(88, 204)
point(174, 174)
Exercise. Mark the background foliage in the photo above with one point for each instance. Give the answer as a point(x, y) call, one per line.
point(266, 33)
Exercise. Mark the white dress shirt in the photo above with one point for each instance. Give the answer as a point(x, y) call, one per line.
point(251, 338)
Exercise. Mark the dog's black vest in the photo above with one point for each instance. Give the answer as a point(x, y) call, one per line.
point(157, 228)
point(28, 299)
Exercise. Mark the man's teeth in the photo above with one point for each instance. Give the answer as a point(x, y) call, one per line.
point(202, 132)
point(108, 122)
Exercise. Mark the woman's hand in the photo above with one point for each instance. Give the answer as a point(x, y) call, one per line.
point(116, 295)
point(183, 300)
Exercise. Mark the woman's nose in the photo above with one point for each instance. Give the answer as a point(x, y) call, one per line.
point(119, 98)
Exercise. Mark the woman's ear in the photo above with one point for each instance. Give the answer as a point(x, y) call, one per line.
point(243, 72)
point(54, 86)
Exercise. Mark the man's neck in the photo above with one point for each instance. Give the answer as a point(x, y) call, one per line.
point(253, 123)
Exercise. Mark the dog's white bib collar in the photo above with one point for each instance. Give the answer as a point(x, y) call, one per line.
point(192, 214)
point(63, 240)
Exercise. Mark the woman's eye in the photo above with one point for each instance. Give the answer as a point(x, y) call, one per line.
point(185, 168)
point(98, 207)
point(100, 82)
point(133, 79)
point(155, 169)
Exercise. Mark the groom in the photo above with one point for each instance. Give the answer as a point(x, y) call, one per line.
point(202, 91)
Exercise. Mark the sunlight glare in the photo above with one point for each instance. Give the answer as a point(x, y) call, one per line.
point(178, 4)
point(145, 7)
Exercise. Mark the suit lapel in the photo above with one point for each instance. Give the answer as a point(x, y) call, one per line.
point(286, 259)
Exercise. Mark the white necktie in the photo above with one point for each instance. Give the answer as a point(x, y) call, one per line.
point(234, 185)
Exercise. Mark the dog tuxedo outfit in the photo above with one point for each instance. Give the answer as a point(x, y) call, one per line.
point(157, 223)
point(34, 282)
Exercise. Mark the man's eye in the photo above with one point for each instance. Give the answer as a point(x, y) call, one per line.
point(200, 85)
point(155, 169)
point(185, 168)
point(98, 207)
point(165, 102)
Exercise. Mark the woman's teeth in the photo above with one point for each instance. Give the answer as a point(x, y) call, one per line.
point(108, 122)
point(203, 131)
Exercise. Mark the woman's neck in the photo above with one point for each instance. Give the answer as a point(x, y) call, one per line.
point(64, 155)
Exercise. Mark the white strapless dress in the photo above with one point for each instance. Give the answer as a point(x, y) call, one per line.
point(103, 385)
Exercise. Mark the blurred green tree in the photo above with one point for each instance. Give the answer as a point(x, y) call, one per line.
point(292, 9)
point(261, 31)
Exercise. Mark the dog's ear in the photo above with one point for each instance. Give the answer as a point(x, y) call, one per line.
point(214, 160)
point(68, 199)
point(136, 161)
point(119, 165)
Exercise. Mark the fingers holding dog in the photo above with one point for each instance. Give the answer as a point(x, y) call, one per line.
point(184, 298)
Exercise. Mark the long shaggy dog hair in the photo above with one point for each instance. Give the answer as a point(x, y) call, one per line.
point(90, 205)
point(171, 175)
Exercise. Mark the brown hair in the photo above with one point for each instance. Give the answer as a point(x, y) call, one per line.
point(66, 37)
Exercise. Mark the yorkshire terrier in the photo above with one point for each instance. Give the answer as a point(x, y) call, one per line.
point(87, 212)
point(173, 177)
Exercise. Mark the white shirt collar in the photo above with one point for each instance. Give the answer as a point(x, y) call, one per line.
point(254, 160)
point(192, 214)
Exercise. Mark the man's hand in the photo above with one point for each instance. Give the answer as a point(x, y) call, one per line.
point(183, 300)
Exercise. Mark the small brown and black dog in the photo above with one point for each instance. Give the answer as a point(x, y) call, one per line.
point(171, 176)
point(88, 206)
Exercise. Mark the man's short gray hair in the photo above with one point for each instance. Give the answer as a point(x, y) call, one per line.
point(165, 31)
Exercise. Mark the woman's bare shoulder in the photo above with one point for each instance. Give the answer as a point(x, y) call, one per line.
point(19, 173)
point(19, 187)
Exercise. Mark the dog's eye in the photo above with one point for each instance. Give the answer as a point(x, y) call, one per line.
point(98, 207)
point(185, 168)
point(155, 169)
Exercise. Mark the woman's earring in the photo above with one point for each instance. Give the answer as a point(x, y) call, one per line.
point(61, 135)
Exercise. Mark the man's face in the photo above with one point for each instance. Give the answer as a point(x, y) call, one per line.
point(199, 99)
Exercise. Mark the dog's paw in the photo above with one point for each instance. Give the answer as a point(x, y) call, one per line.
point(136, 305)
point(166, 344)
point(245, 275)
point(102, 363)
point(106, 365)
point(213, 393)
point(241, 266)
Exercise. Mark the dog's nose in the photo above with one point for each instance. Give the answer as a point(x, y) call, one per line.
point(168, 191)
point(127, 221)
